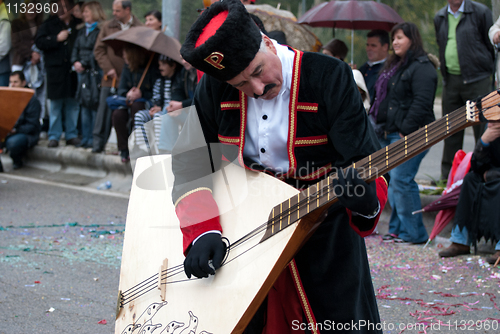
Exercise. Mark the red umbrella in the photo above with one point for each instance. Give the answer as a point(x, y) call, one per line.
point(352, 14)
point(448, 201)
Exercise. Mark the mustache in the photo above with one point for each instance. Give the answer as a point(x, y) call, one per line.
point(266, 89)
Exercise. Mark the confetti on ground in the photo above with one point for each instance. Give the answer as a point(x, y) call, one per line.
point(407, 280)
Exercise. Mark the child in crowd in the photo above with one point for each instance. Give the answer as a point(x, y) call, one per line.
point(163, 93)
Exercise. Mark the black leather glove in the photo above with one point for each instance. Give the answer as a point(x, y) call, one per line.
point(208, 247)
point(354, 193)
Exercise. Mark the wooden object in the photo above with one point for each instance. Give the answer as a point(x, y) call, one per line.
point(13, 102)
point(265, 221)
point(162, 279)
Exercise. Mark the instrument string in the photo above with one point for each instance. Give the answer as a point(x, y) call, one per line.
point(455, 118)
point(150, 283)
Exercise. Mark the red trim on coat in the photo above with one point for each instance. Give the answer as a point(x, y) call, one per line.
point(243, 124)
point(198, 213)
point(229, 140)
point(230, 105)
point(382, 199)
point(294, 101)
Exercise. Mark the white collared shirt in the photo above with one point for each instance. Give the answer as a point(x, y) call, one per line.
point(266, 133)
point(458, 12)
point(127, 25)
point(375, 62)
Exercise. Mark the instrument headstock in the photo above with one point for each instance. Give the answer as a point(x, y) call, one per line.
point(488, 107)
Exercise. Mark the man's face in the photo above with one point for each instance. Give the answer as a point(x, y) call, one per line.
point(120, 13)
point(15, 82)
point(374, 50)
point(263, 77)
point(455, 3)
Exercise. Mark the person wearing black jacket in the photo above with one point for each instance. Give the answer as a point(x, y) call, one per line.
point(404, 99)
point(82, 58)
point(137, 98)
point(167, 88)
point(467, 62)
point(26, 131)
point(477, 213)
point(56, 37)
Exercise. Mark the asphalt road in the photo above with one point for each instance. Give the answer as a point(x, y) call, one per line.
point(60, 251)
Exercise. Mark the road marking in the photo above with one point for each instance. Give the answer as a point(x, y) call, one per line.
point(67, 186)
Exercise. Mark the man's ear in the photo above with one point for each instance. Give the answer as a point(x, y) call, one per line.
point(269, 44)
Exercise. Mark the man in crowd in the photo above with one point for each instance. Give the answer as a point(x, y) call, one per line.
point(56, 37)
point(274, 108)
point(27, 128)
point(111, 65)
point(467, 61)
point(5, 44)
point(377, 49)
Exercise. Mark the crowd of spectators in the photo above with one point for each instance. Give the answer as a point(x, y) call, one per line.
point(60, 56)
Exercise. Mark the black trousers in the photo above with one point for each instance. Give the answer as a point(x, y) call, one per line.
point(102, 125)
point(455, 95)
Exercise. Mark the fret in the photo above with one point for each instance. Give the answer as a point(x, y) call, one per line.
point(328, 192)
point(406, 146)
point(272, 219)
point(370, 166)
point(387, 156)
point(307, 199)
point(289, 211)
point(298, 205)
point(426, 135)
point(447, 123)
point(281, 215)
point(317, 195)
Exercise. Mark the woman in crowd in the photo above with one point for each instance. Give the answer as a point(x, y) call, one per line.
point(83, 60)
point(137, 98)
point(153, 19)
point(404, 99)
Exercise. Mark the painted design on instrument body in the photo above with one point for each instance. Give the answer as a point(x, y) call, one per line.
point(145, 323)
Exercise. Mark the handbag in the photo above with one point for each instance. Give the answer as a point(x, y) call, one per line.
point(89, 88)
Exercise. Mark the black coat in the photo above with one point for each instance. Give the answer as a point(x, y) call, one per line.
point(131, 79)
point(183, 86)
point(83, 50)
point(477, 207)
point(29, 122)
point(476, 55)
point(61, 79)
point(409, 103)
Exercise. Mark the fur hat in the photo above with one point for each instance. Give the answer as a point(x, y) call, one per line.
point(223, 40)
